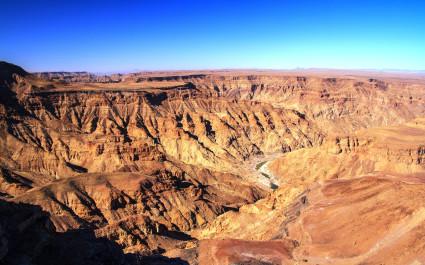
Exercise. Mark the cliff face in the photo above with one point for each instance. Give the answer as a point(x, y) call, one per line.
point(341, 104)
point(206, 121)
point(395, 150)
point(153, 162)
point(392, 149)
point(80, 131)
point(197, 131)
point(131, 208)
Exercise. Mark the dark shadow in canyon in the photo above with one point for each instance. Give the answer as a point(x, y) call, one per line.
point(27, 236)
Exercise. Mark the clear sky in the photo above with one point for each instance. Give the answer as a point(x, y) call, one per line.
point(108, 36)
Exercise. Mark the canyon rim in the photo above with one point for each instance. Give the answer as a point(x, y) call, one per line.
point(257, 134)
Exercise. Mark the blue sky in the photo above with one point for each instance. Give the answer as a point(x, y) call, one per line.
point(108, 36)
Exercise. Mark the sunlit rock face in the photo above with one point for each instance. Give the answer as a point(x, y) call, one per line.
point(214, 167)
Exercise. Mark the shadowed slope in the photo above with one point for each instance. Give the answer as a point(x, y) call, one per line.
point(154, 162)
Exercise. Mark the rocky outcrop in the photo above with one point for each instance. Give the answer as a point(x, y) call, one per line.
point(394, 150)
point(134, 208)
point(342, 104)
point(76, 132)
point(154, 162)
point(28, 237)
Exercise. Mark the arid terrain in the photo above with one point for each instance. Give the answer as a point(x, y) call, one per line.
point(212, 167)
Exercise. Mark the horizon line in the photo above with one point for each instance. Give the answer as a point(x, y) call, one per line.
point(229, 69)
point(201, 70)
point(219, 69)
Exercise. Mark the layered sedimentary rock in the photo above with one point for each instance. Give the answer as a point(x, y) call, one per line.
point(131, 207)
point(166, 164)
point(337, 104)
point(391, 149)
point(376, 177)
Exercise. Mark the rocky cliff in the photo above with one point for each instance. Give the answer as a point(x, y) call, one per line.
point(155, 162)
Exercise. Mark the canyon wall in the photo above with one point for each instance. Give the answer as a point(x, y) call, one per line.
point(165, 163)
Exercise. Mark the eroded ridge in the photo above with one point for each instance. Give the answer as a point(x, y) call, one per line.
point(214, 167)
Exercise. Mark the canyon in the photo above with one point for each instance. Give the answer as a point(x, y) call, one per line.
point(212, 167)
